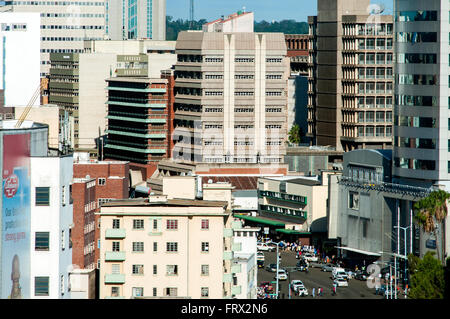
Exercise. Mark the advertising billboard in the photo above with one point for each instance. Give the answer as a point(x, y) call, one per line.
point(16, 215)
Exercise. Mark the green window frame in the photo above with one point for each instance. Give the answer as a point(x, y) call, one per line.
point(42, 196)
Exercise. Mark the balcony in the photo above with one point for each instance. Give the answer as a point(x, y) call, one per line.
point(227, 278)
point(227, 255)
point(114, 279)
point(284, 197)
point(236, 290)
point(283, 211)
point(235, 269)
point(114, 256)
point(115, 233)
point(228, 232)
point(236, 247)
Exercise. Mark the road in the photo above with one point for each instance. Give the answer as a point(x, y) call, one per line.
point(314, 279)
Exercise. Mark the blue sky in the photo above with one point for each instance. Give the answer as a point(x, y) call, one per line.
point(263, 9)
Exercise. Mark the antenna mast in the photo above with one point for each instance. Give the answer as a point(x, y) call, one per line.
point(191, 14)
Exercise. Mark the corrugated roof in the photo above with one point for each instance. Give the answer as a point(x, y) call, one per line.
point(239, 182)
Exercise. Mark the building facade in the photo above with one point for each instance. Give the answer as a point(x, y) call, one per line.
point(157, 247)
point(231, 97)
point(19, 34)
point(64, 24)
point(350, 89)
point(135, 19)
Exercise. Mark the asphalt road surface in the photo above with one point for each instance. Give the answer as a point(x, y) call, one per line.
point(314, 279)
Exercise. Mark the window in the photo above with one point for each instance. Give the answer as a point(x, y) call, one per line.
point(172, 247)
point(138, 291)
point(41, 286)
point(138, 224)
point(63, 196)
point(115, 291)
point(205, 246)
point(116, 223)
point(62, 286)
point(155, 224)
point(101, 181)
point(115, 269)
point(42, 196)
point(205, 270)
point(138, 246)
point(138, 269)
point(155, 292)
point(205, 224)
point(205, 292)
point(172, 224)
point(353, 200)
point(155, 269)
point(170, 292)
point(172, 270)
point(115, 246)
point(63, 240)
point(42, 241)
point(155, 246)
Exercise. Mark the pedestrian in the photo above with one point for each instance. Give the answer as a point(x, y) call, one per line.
point(314, 292)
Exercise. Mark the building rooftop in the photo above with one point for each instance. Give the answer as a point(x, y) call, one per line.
point(10, 125)
point(166, 202)
point(308, 181)
point(137, 79)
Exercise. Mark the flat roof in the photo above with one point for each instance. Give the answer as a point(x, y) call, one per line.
point(308, 181)
point(168, 202)
point(137, 79)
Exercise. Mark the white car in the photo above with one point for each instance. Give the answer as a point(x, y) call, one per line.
point(310, 257)
point(282, 275)
point(264, 247)
point(302, 291)
point(296, 284)
point(260, 256)
point(341, 282)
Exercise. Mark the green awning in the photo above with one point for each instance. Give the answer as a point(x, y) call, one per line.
point(261, 220)
point(292, 231)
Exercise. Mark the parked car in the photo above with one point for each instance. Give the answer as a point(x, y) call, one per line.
point(302, 291)
point(296, 284)
point(282, 275)
point(327, 268)
point(260, 263)
point(339, 272)
point(260, 256)
point(340, 282)
point(264, 247)
point(272, 267)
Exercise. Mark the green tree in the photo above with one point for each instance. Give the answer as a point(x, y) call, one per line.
point(427, 277)
point(295, 134)
point(431, 211)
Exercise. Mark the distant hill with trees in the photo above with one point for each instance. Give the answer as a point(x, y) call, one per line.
point(173, 27)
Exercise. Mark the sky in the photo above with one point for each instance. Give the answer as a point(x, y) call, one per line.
point(267, 10)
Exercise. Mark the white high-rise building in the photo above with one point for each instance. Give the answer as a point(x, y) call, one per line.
point(64, 24)
point(19, 56)
point(136, 19)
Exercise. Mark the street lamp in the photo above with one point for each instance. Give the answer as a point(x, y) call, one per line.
point(395, 268)
point(405, 244)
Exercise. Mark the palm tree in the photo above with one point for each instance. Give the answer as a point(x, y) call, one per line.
point(431, 211)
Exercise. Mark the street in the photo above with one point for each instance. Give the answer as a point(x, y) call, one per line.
point(314, 279)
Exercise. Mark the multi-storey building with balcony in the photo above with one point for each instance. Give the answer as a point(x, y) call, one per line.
point(350, 80)
point(138, 119)
point(231, 97)
point(166, 248)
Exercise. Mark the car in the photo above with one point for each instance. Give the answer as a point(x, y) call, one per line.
point(310, 257)
point(260, 256)
point(350, 274)
point(339, 272)
point(296, 284)
point(341, 282)
point(272, 267)
point(302, 265)
point(327, 268)
point(281, 275)
point(361, 275)
point(264, 247)
point(302, 291)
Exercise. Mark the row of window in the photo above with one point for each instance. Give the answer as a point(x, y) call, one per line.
point(55, 3)
point(171, 224)
point(167, 292)
point(71, 27)
point(170, 246)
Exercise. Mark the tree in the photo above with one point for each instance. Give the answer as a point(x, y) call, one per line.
point(295, 134)
point(427, 277)
point(431, 211)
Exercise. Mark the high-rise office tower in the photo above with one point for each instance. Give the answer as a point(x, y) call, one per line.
point(136, 19)
point(64, 24)
point(231, 97)
point(350, 76)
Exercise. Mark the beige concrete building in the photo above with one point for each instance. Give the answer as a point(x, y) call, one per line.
point(231, 97)
point(170, 248)
point(78, 80)
point(350, 81)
